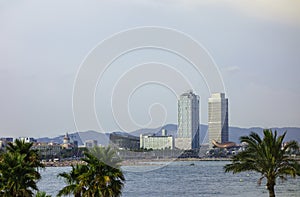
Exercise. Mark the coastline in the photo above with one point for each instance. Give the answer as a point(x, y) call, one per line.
point(138, 162)
point(133, 162)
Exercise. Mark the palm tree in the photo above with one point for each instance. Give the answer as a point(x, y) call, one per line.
point(42, 194)
point(19, 170)
point(22, 147)
point(102, 179)
point(105, 154)
point(266, 156)
point(73, 179)
point(17, 177)
point(95, 178)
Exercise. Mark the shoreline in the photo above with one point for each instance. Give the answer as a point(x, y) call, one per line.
point(133, 162)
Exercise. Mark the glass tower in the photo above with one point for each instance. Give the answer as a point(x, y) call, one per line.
point(217, 118)
point(188, 121)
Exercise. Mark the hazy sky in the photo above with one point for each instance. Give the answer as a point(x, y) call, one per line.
point(255, 44)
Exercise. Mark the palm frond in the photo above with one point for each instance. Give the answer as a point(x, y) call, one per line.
point(266, 156)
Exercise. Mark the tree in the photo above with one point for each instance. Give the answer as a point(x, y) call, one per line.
point(18, 170)
point(105, 154)
point(74, 181)
point(266, 156)
point(22, 147)
point(42, 194)
point(95, 178)
point(102, 179)
point(17, 177)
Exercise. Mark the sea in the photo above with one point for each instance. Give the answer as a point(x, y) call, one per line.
point(182, 178)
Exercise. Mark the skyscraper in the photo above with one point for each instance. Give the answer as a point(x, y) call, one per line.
point(217, 118)
point(188, 121)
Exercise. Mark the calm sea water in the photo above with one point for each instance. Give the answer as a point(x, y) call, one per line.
point(182, 178)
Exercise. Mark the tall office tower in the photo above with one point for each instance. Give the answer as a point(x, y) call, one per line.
point(217, 118)
point(188, 121)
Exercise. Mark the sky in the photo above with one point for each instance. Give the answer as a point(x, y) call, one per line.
point(254, 45)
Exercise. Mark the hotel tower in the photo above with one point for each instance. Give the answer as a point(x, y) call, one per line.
point(188, 121)
point(217, 118)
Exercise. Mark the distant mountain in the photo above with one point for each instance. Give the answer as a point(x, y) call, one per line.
point(102, 138)
point(80, 137)
point(293, 133)
point(59, 139)
point(171, 129)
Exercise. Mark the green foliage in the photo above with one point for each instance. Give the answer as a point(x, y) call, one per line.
point(73, 180)
point(266, 156)
point(18, 170)
point(42, 194)
point(106, 155)
point(23, 148)
point(97, 178)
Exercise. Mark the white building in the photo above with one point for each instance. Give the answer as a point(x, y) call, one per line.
point(217, 118)
point(90, 143)
point(27, 139)
point(188, 121)
point(156, 142)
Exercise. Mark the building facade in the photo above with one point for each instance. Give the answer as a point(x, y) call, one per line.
point(90, 143)
point(217, 118)
point(188, 121)
point(124, 141)
point(47, 150)
point(68, 143)
point(157, 142)
point(4, 141)
point(27, 139)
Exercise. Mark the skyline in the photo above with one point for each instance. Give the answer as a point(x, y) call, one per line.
point(255, 46)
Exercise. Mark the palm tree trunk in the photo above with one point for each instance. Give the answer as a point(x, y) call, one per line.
point(270, 187)
point(272, 192)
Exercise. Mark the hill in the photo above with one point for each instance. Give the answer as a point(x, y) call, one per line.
point(80, 137)
point(293, 133)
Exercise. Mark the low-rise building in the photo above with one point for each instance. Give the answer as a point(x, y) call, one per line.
point(4, 141)
point(47, 150)
point(27, 139)
point(90, 143)
point(156, 142)
point(124, 141)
